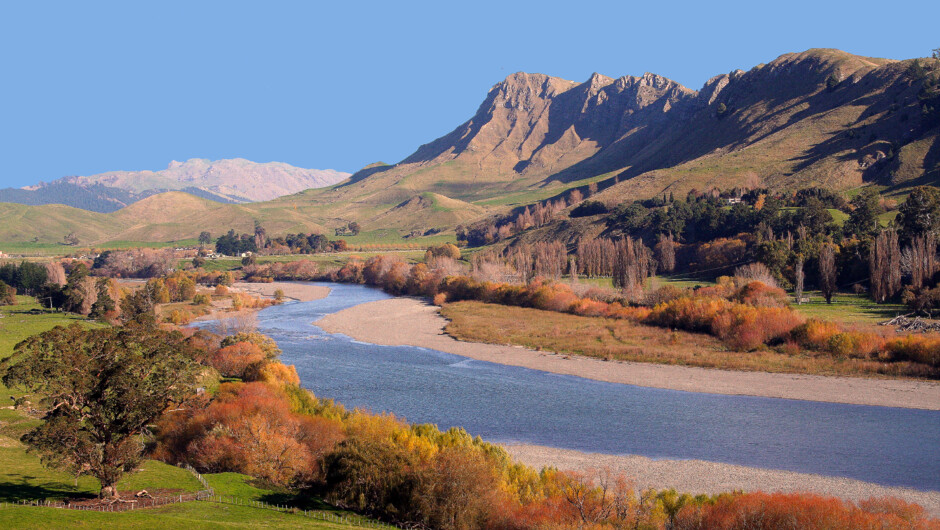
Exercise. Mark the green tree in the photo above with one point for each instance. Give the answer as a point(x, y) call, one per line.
point(920, 212)
point(104, 303)
point(99, 389)
point(75, 288)
point(863, 221)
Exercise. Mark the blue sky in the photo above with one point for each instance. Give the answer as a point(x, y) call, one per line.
point(88, 87)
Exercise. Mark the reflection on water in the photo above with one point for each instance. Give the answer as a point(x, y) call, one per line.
point(891, 446)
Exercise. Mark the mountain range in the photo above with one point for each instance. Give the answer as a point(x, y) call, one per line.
point(228, 181)
point(817, 118)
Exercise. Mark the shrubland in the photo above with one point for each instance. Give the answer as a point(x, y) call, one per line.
point(744, 313)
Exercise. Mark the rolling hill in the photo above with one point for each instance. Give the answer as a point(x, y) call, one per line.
point(817, 118)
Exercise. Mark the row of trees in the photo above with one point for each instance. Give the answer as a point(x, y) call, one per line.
point(233, 244)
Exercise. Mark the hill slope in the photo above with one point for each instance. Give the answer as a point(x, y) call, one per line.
point(821, 117)
point(817, 118)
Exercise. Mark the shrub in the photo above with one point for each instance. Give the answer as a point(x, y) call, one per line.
point(799, 510)
point(759, 294)
point(180, 317)
point(249, 428)
point(7, 294)
point(917, 348)
point(588, 208)
point(755, 272)
point(236, 359)
point(202, 299)
point(814, 334)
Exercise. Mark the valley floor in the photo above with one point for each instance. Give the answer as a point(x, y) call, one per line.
point(408, 321)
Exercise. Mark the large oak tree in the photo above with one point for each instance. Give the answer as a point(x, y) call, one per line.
point(99, 389)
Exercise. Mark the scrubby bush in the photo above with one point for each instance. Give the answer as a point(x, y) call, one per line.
point(916, 348)
point(202, 299)
point(799, 510)
point(7, 294)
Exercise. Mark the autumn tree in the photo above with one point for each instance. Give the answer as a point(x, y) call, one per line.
point(884, 265)
point(799, 277)
point(666, 252)
point(632, 262)
point(7, 294)
point(99, 389)
point(261, 236)
point(827, 271)
point(920, 259)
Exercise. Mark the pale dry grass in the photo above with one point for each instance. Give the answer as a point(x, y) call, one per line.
point(622, 340)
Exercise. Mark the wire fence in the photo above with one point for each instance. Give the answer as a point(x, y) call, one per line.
point(320, 515)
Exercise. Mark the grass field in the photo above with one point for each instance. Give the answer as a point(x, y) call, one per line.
point(680, 281)
point(615, 339)
point(23, 477)
point(849, 308)
point(188, 515)
point(55, 249)
point(325, 259)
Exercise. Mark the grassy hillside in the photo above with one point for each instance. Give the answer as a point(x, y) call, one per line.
point(817, 118)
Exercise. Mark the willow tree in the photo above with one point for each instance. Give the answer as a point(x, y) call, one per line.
point(99, 389)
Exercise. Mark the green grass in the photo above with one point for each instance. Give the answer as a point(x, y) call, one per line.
point(56, 249)
point(188, 515)
point(326, 259)
point(524, 197)
point(849, 308)
point(680, 281)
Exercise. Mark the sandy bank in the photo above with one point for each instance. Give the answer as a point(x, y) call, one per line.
point(302, 292)
point(407, 321)
point(222, 309)
point(696, 476)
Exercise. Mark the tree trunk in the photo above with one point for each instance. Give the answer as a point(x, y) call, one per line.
point(108, 491)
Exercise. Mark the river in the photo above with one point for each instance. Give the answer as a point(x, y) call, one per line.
point(889, 446)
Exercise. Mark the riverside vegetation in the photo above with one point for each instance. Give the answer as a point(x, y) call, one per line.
point(266, 426)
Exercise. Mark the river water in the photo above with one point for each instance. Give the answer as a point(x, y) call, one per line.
point(890, 446)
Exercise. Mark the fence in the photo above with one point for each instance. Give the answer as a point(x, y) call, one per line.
point(320, 515)
point(123, 505)
point(206, 495)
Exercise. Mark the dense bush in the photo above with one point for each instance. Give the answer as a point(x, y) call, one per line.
point(800, 510)
point(916, 348)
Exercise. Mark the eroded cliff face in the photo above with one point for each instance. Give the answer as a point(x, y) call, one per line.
point(820, 117)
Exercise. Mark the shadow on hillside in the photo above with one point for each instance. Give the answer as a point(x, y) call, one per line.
point(364, 174)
